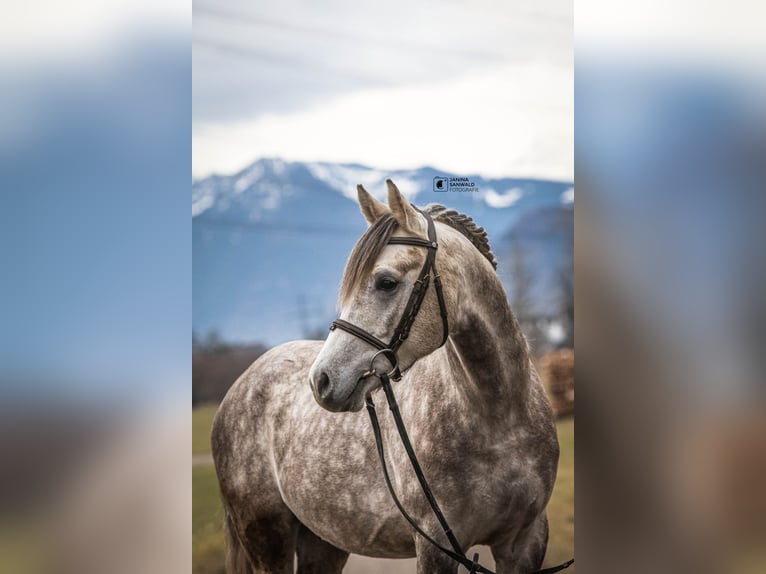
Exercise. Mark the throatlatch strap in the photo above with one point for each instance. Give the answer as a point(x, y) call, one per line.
point(442, 306)
point(420, 288)
point(457, 553)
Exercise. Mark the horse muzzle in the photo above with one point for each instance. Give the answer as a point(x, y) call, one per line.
point(340, 398)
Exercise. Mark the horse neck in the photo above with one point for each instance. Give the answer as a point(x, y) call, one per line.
point(486, 341)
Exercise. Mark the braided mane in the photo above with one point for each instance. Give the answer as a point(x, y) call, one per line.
point(465, 225)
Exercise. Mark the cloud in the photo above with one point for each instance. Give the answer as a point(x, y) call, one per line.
point(506, 199)
point(252, 60)
point(567, 196)
point(467, 91)
point(516, 119)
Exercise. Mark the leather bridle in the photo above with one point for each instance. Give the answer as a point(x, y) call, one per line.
point(389, 350)
point(417, 295)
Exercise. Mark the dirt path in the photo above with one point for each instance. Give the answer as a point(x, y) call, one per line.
point(363, 565)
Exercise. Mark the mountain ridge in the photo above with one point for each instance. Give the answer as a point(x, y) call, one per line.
point(270, 241)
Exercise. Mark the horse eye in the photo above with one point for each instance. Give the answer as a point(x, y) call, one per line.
point(386, 284)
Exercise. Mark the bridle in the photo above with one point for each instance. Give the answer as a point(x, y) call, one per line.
point(417, 295)
point(389, 351)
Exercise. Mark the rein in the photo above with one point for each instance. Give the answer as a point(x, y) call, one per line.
point(401, 333)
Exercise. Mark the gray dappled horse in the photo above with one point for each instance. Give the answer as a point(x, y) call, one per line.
point(296, 460)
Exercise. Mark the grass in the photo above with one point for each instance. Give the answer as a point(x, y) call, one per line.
point(202, 420)
point(207, 514)
point(207, 522)
point(561, 506)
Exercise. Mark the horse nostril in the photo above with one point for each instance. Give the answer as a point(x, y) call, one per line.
point(323, 385)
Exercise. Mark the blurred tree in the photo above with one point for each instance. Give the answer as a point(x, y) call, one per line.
point(522, 301)
point(216, 365)
point(566, 282)
point(566, 287)
point(213, 341)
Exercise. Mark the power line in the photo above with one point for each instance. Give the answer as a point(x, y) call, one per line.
point(342, 35)
point(289, 227)
point(250, 53)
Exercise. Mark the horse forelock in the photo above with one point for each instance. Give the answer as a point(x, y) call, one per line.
point(365, 253)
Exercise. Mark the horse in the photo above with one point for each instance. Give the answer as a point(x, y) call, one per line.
point(297, 463)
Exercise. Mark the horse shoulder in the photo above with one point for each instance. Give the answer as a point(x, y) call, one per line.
point(240, 426)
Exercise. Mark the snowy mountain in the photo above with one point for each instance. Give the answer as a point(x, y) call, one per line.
point(271, 241)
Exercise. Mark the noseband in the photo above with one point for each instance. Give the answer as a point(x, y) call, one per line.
point(412, 308)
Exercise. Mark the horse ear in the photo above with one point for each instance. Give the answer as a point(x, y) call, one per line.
point(372, 209)
point(406, 215)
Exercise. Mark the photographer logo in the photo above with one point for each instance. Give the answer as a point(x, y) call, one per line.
point(444, 184)
point(441, 183)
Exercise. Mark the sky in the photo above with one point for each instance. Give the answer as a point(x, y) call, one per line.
point(483, 88)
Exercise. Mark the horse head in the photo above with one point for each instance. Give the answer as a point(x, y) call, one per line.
point(376, 291)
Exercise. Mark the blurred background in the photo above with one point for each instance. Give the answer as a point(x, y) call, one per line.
point(95, 299)
point(295, 104)
point(670, 156)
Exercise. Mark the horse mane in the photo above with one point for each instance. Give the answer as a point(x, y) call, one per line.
point(465, 225)
point(374, 240)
